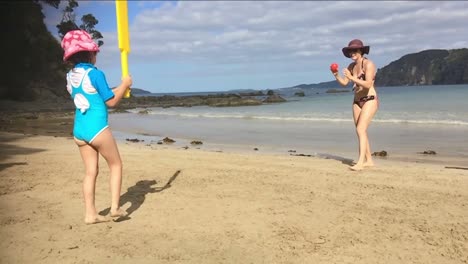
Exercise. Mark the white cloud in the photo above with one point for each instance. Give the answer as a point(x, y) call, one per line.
point(284, 29)
point(261, 37)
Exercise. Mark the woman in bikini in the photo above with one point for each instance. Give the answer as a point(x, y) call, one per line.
point(362, 73)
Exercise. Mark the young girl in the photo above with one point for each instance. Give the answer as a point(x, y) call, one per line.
point(362, 73)
point(91, 94)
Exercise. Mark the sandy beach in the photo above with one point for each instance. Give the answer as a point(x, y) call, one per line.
point(200, 206)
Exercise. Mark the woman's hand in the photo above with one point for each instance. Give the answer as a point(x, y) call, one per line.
point(348, 74)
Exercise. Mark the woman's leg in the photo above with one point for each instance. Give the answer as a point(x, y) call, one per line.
point(365, 116)
point(369, 162)
point(106, 145)
point(356, 114)
point(90, 159)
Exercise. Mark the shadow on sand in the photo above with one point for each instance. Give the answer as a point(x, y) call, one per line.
point(343, 160)
point(136, 195)
point(8, 149)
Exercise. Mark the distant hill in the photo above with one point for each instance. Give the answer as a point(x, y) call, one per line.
point(322, 85)
point(429, 67)
point(138, 91)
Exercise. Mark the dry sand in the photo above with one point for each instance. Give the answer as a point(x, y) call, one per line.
point(200, 206)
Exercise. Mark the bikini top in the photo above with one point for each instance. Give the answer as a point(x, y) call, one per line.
point(361, 76)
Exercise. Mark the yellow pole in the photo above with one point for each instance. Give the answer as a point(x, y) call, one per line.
point(121, 11)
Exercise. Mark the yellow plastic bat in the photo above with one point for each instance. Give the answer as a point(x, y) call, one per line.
point(124, 38)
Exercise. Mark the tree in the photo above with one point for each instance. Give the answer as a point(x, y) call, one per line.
point(88, 22)
point(32, 57)
point(53, 3)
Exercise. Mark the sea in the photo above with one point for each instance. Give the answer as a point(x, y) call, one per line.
point(409, 121)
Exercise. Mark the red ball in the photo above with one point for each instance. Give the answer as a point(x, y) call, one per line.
point(334, 67)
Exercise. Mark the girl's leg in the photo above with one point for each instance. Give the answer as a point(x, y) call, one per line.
point(90, 159)
point(367, 113)
point(106, 145)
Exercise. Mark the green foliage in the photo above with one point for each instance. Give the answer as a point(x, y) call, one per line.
point(53, 3)
point(88, 23)
point(32, 56)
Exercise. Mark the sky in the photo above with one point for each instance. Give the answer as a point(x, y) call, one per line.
point(201, 46)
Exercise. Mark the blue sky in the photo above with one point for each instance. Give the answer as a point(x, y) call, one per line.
point(189, 46)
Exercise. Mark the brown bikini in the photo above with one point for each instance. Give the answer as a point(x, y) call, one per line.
point(361, 101)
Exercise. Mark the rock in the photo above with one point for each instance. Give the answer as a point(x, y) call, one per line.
point(168, 140)
point(301, 155)
point(166, 101)
point(135, 140)
point(428, 152)
point(256, 93)
point(144, 112)
point(256, 149)
point(299, 93)
point(382, 153)
point(196, 142)
point(274, 99)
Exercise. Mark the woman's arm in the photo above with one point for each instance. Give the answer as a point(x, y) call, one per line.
point(119, 91)
point(341, 80)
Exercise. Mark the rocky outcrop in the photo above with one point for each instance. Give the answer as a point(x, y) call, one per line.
point(299, 93)
point(165, 101)
point(337, 91)
point(274, 98)
point(429, 67)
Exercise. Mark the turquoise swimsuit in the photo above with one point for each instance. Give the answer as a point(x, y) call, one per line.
point(89, 90)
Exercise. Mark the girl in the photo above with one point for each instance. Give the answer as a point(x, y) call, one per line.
point(91, 94)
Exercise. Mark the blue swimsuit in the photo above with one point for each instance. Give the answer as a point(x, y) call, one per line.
point(89, 89)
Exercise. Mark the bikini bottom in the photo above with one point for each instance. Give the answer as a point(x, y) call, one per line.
point(364, 99)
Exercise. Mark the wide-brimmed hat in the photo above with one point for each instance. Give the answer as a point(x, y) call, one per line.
point(75, 41)
point(355, 44)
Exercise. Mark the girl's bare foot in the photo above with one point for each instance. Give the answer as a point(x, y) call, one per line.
point(357, 167)
point(96, 219)
point(368, 164)
point(118, 213)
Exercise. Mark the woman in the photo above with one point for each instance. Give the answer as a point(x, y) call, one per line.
point(91, 94)
point(362, 73)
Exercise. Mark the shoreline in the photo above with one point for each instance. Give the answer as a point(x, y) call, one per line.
point(59, 123)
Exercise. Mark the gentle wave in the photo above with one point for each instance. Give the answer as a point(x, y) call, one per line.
point(423, 122)
point(308, 119)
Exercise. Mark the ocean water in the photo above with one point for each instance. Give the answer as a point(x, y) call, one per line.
point(410, 119)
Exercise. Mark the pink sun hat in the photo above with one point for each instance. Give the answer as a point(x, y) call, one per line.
point(75, 41)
